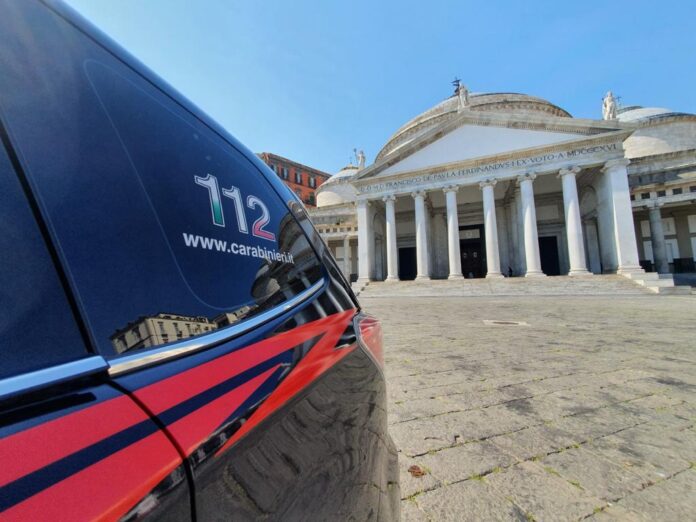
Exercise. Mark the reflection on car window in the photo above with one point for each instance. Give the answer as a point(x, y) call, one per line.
point(37, 328)
point(168, 232)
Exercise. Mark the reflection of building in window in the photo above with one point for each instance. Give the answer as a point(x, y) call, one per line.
point(159, 329)
point(228, 318)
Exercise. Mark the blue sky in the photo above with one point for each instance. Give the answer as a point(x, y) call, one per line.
point(312, 80)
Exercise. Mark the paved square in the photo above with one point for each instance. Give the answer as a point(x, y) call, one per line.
point(587, 411)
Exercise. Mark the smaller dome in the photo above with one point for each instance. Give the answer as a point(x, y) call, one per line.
point(337, 189)
point(636, 112)
point(348, 170)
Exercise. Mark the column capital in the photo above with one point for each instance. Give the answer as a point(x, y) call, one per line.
point(568, 171)
point(488, 183)
point(389, 197)
point(653, 204)
point(528, 176)
point(614, 163)
point(418, 194)
point(451, 188)
point(363, 203)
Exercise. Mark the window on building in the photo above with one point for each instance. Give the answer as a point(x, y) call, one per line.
point(692, 188)
point(136, 333)
point(298, 177)
point(298, 192)
point(313, 182)
point(272, 167)
point(645, 195)
point(285, 173)
point(676, 191)
point(661, 193)
point(163, 332)
point(311, 199)
point(633, 197)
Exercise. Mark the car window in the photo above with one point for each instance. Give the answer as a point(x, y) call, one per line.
point(37, 328)
point(167, 230)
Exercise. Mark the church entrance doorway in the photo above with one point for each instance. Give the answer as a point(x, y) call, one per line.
point(407, 263)
point(472, 251)
point(548, 252)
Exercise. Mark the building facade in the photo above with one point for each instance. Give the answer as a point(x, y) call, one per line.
point(159, 329)
point(302, 180)
point(493, 185)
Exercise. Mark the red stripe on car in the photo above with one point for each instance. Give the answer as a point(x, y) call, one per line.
point(319, 359)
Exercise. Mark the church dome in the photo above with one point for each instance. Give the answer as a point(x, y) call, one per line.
point(337, 189)
point(636, 112)
point(659, 131)
point(508, 103)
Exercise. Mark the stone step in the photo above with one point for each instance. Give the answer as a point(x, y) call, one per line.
point(671, 290)
point(558, 285)
point(655, 282)
point(645, 276)
point(662, 284)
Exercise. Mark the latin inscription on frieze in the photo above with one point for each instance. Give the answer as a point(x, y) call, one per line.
point(529, 163)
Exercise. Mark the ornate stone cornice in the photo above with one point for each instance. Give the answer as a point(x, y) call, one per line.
point(452, 121)
point(596, 140)
point(653, 204)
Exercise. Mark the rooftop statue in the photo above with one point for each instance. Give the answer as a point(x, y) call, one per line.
point(609, 107)
point(360, 157)
point(463, 96)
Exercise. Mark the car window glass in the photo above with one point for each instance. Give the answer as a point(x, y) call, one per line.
point(37, 328)
point(167, 231)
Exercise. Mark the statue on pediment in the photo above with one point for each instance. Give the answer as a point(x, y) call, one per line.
point(360, 158)
point(462, 96)
point(609, 107)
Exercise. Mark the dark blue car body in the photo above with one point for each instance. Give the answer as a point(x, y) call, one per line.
point(177, 341)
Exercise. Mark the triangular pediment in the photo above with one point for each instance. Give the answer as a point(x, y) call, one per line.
point(469, 138)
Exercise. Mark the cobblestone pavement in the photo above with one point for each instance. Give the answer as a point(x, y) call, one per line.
point(585, 411)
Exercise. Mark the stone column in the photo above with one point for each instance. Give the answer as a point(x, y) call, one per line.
point(365, 250)
point(571, 203)
point(657, 238)
point(624, 231)
point(347, 257)
point(490, 225)
point(455, 260)
point(392, 252)
point(531, 236)
point(422, 255)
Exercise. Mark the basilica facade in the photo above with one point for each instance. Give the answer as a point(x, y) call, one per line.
point(498, 185)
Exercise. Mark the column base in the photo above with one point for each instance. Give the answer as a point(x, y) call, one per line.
point(392, 279)
point(494, 275)
point(455, 276)
point(630, 269)
point(579, 273)
point(535, 274)
point(422, 278)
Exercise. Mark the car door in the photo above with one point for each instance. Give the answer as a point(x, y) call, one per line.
point(196, 280)
point(72, 445)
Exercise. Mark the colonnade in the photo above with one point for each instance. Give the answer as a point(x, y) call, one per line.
point(617, 196)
